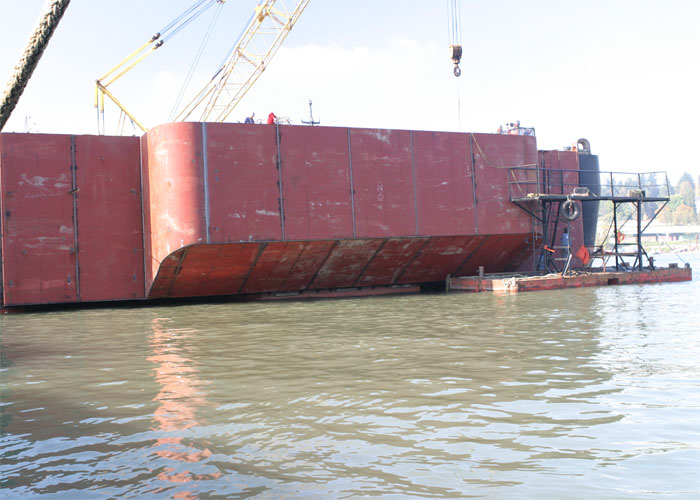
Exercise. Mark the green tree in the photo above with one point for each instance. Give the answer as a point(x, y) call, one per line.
point(687, 191)
point(666, 215)
point(683, 216)
point(686, 177)
point(650, 185)
point(649, 209)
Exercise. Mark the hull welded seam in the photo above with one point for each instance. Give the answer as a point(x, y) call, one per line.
point(261, 248)
point(143, 141)
point(205, 175)
point(471, 154)
point(279, 179)
point(369, 262)
point(352, 189)
point(415, 187)
point(74, 195)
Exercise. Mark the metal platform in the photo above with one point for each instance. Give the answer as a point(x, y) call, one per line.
point(544, 192)
point(548, 197)
point(518, 283)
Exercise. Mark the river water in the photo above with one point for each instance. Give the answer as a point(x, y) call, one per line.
point(577, 394)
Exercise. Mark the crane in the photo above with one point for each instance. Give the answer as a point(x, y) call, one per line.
point(266, 30)
point(271, 22)
point(103, 83)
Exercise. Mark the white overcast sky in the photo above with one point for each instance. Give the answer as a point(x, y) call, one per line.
point(623, 73)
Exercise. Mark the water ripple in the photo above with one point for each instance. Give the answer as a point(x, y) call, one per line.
point(566, 394)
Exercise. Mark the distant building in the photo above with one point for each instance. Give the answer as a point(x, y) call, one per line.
point(664, 232)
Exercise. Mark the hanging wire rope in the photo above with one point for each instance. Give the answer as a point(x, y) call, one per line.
point(53, 12)
point(183, 20)
point(183, 114)
point(247, 60)
point(155, 42)
point(258, 43)
point(454, 30)
point(454, 22)
point(459, 109)
point(195, 62)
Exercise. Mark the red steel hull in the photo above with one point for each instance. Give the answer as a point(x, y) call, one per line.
point(193, 209)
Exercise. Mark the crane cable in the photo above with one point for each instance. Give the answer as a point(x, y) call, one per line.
point(459, 109)
point(195, 62)
point(183, 20)
point(157, 40)
point(184, 113)
point(190, 9)
point(454, 30)
point(138, 55)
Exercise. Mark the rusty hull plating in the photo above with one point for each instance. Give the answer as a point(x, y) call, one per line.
point(203, 209)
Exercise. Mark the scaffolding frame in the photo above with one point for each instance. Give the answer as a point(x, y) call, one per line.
point(542, 192)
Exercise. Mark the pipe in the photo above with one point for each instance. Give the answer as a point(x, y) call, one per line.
point(583, 146)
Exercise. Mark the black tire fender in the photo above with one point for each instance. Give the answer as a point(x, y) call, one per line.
point(570, 210)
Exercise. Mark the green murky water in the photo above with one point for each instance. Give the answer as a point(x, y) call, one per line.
point(562, 394)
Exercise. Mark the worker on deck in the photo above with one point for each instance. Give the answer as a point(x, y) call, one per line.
point(271, 119)
point(565, 242)
point(250, 119)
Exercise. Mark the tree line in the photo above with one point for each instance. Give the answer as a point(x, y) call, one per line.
point(681, 209)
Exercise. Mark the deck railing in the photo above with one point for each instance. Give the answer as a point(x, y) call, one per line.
point(532, 182)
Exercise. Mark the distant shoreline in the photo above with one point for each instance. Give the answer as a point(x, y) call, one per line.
point(685, 247)
point(683, 254)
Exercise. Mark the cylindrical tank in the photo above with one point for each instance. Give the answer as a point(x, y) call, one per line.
point(589, 177)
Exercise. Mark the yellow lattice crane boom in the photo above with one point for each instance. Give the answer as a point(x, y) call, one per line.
point(267, 29)
point(103, 83)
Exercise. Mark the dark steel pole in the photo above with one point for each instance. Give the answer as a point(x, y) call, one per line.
point(545, 236)
point(617, 260)
point(639, 233)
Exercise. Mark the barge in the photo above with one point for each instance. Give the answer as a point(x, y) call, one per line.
point(515, 283)
point(220, 209)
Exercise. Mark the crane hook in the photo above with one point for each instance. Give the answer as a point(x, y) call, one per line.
point(456, 58)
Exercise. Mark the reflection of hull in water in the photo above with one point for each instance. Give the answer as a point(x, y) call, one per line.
point(194, 209)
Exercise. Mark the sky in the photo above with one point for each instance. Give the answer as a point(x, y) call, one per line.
point(624, 74)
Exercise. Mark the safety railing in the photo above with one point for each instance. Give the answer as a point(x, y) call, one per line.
point(534, 182)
